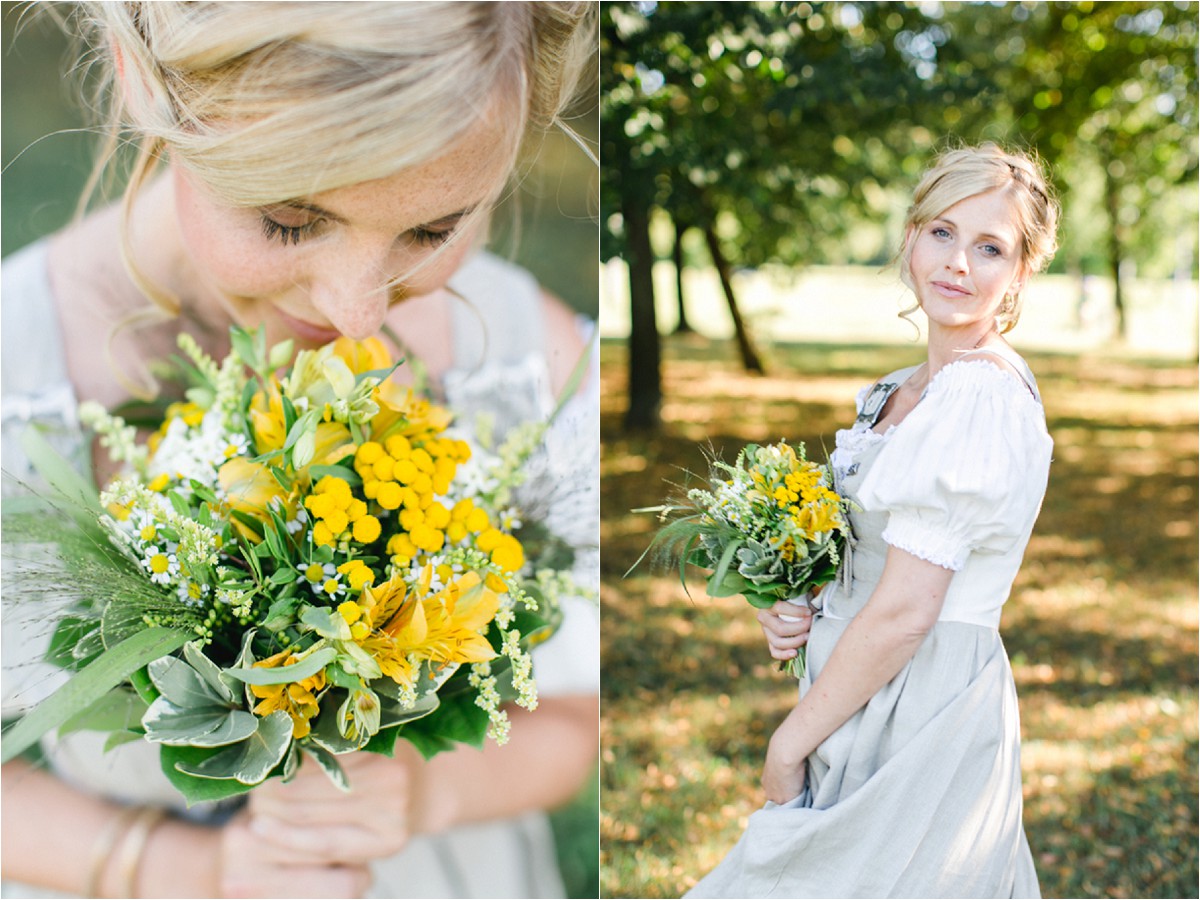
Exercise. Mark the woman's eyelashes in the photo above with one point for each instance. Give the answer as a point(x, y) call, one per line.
point(422, 236)
point(287, 234)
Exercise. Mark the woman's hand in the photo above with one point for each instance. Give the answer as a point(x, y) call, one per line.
point(785, 638)
point(251, 866)
point(311, 819)
point(784, 771)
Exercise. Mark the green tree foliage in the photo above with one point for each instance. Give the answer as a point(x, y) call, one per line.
point(786, 126)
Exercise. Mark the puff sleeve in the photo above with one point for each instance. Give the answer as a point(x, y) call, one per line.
point(966, 471)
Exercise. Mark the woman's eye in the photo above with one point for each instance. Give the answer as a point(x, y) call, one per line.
point(287, 234)
point(992, 250)
point(429, 237)
point(940, 232)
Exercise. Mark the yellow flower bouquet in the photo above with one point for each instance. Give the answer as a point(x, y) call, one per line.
point(311, 562)
point(770, 527)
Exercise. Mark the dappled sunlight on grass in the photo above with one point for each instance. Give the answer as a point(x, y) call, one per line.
point(1101, 628)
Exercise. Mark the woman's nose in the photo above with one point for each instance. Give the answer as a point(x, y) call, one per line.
point(350, 290)
point(957, 260)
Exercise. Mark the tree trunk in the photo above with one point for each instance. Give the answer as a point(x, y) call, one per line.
point(683, 327)
point(645, 380)
point(1112, 206)
point(750, 358)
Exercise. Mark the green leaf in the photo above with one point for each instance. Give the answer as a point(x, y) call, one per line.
point(68, 634)
point(325, 731)
point(249, 761)
point(456, 721)
point(723, 564)
point(182, 685)
point(119, 710)
point(326, 622)
point(84, 504)
point(238, 725)
point(166, 723)
point(209, 671)
point(329, 765)
point(310, 665)
point(193, 789)
point(730, 585)
point(117, 738)
point(383, 743)
point(89, 685)
point(391, 712)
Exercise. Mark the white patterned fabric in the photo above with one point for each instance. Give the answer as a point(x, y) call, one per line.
point(918, 794)
point(504, 370)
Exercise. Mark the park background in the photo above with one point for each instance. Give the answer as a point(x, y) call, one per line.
point(757, 159)
point(548, 225)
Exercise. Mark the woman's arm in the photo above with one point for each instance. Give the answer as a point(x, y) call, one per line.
point(549, 754)
point(55, 836)
point(873, 649)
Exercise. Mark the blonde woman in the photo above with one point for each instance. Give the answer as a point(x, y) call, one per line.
point(317, 169)
point(898, 773)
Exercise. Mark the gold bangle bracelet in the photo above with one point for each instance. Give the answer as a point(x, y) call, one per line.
point(134, 845)
point(103, 847)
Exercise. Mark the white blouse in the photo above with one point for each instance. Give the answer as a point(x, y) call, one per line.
point(962, 479)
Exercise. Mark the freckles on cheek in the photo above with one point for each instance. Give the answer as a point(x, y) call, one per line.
point(227, 251)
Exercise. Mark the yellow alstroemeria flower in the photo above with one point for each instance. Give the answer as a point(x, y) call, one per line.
point(298, 698)
point(250, 488)
point(363, 356)
point(441, 627)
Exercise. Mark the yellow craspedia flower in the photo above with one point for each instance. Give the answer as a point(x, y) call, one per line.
point(423, 461)
point(422, 484)
point(337, 520)
point(350, 611)
point(357, 573)
point(368, 453)
point(411, 518)
point(496, 583)
point(398, 446)
point(404, 471)
point(427, 538)
point(437, 516)
point(412, 500)
point(509, 554)
point(401, 545)
point(356, 510)
point(456, 531)
point(383, 468)
point(489, 539)
point(322, 536)
point(367, 529)
point(337, 488)
point(320, 505)
point(477, 520)
point(371, 488)
point(462, 509)
point(389, 495)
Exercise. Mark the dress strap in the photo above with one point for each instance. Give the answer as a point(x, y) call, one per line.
point(877, 397)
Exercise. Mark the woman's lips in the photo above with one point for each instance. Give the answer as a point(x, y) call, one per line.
point(950, 290)
point(307, 331)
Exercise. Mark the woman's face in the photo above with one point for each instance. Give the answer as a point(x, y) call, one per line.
point(318, 266)
point(966, 260)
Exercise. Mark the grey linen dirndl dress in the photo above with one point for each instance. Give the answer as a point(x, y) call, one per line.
point(918, 794)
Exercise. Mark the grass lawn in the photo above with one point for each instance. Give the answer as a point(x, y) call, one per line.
point(1101, 628)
